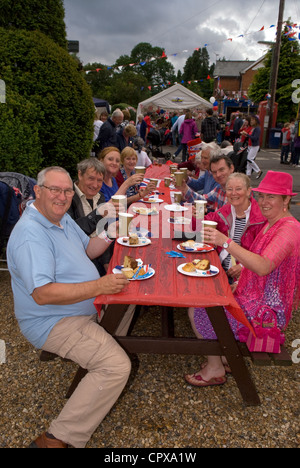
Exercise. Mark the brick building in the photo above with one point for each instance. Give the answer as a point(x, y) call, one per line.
point(233, 78)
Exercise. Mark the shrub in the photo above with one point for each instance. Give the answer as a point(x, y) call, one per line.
point(48, 104)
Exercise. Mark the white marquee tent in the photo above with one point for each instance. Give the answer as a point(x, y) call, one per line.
point(175, 98)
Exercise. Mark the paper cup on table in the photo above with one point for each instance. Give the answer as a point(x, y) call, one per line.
point(140, 170)
point(179, 177)
point(120, 200)
point(167, 181)
point(154, 181)
point(177, 197)
point(200, 208)
point(124, 221)
point(173, 169)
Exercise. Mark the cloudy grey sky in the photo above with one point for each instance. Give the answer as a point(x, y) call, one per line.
point(107, 29)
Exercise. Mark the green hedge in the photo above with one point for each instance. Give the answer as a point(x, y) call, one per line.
point(49, 112)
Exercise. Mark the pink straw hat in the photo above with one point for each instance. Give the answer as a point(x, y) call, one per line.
point(277, 183)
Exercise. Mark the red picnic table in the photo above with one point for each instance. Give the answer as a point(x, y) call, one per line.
point(169, 289)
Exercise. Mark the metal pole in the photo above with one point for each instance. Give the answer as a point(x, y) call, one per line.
point(276, 60)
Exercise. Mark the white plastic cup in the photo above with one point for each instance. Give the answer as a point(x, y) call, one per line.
point(125, 220)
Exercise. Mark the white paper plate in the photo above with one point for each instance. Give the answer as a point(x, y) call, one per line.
point(151, 272)
point(153, 200)
point(143, 242)
point(214, 271)
point(176, 208)
point(197, 245)
point(148, 213)
point(179, 221)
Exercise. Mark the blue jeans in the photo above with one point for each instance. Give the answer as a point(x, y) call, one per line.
point(179, 149)
point(285, 153)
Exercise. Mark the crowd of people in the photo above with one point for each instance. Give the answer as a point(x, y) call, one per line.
point(179, 128)
point(58, 258)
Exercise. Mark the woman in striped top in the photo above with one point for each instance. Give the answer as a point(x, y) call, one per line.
point(241, 220)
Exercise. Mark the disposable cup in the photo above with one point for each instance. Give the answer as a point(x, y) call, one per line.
point(177, 197)
point(179, 177)
point(185, 171)
point(210, 224)
point(124, 221)
point(155, 180)
point(121, 200)
point(167, 181)
point(200, 208)
point(140, 170)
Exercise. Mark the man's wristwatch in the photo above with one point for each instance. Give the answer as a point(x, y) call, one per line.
point(226, 244)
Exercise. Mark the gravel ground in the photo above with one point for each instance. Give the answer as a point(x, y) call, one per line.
point(157, 409)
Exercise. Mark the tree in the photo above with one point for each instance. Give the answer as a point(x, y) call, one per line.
point(100, 80)
point(150, 62)
point(130, 87)
point(197, 68)
point(48, 103)
point(289, 67)
point(46, 16)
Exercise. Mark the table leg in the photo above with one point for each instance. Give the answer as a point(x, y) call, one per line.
point(233, 355)
point(167, 320)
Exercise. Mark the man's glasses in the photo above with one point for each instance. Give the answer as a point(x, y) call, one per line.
point(55, 191)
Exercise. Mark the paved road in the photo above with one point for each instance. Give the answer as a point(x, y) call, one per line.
point(268, 160)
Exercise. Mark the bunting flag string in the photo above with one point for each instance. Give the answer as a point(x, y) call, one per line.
point(290, 34)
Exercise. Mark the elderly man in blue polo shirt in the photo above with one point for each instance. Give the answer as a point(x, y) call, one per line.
point(54, 284)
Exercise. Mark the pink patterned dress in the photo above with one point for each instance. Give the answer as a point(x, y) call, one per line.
point(279, 290)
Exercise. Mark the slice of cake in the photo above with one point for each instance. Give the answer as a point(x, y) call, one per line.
point(203, 265)
point(133, 239)
point(130, 262)
point(189, 268)
point(128, 272)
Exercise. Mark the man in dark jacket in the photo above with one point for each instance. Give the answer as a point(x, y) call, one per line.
point(85, 204)
point(210, 127)
point(238, 123)
point(108, 131)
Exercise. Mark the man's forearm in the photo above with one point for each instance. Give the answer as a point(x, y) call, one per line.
point(66, 294)
point(96, 248)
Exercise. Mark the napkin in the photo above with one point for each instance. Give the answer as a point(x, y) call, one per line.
point(174, 254)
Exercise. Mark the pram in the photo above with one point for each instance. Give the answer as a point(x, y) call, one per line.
point(156, 141)
point(15, 190)
point(9, 215)
point(239, 157)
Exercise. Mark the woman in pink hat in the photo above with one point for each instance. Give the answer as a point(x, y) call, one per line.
point(271, 273)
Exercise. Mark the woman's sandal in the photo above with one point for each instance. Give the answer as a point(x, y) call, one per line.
point(198, 381)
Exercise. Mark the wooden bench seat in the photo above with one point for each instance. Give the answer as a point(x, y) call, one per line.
point(267, 359)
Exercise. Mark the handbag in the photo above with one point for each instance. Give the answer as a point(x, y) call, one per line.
point(268, 337)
